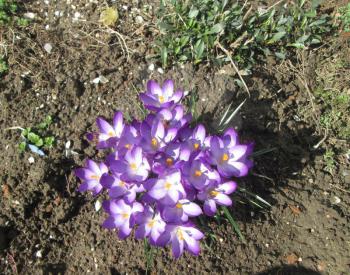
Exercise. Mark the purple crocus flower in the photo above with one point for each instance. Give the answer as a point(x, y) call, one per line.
point(174, 155)
point(90, 176)
point(129, 138)
point(151, 225)
point(196, 140)
point(199, 174)
point(122, 216)
point(182, 237)
point(229, 161)
point(174, 117)
point(182, 210)
point(134, 167)
point(160, 97)
point(167, 189)
point(120, 189)
point(109, 134)
point(214, 195)
point(155, 137)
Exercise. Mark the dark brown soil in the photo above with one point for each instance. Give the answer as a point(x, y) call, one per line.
point(46, 227)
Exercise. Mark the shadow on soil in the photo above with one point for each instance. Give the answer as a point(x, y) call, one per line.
point(289, 270)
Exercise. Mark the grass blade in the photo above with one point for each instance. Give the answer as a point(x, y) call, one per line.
point(149, 255)
point(243, 190)
point(225, 114)
point(263, 152)
point(233, 223)
point(234, 113)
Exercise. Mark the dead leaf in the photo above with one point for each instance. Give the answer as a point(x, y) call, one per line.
point(57, 200)
point(5, 191)
point(292, 259)
point(295, 209)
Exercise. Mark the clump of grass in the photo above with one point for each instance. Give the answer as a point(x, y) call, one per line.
point(191, 30)
point(345, 17)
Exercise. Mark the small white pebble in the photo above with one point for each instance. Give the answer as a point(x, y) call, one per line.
point(16, 202)
point(38, 254)
point(31, 159)
point(335, 200)
point(47, 27)
point(29, 15)
point(67, 145)
point(41, 106)
point(139, 19)
point(98, 205)
point(312, 230)
point(221, 240)
point(48, 47)
point(300, 259)
point(151, 67)
point(125, 7)
point(267, 245)
point(160, 70)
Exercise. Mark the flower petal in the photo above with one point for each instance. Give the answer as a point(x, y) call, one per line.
point(154, 88)
point(177, 247)
point(192, 209)
point(238, 152)
point(168, 88)
point(164, 239)
point(209, 207)
point(118, 123)
point(104, 126)
point(228, 187)
point(192, 245)
point(223, 199)
point(177, 96)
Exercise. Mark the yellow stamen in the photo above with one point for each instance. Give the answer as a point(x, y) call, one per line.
point(213, 193)
point(197, 173)
point(161, 98)
point(169, 161)
point(196, 146)
point(94, 177)
point(133, 166)
point(179, 205)
point(154, 143)
point(167, 185)
point(122, 183)
point(127, 146)
point(151, 223)
point(111, 134)
point(125, 215)
point(224, 157)
point(180, 235)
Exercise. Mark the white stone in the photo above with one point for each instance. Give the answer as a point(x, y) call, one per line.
point(160, 70)
point(38, 254)
point(151, 67)
point(48, 47)
point(29, 15)
point(31, 159)
point(98, 205)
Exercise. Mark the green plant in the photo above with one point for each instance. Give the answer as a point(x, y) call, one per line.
point(329, 161)
point(7, 11)
point(345, 17)
point(36, 138)
point(191, 30)
point(3, 66)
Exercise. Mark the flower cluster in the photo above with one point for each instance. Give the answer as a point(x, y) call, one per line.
point(160, 173)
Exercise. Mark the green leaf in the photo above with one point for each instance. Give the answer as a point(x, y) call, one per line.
point(39, 143)
point(276, 37)
point(303, 38)
point(193, 12)
point(297, 45)
point(22, 146)
point(164, 56)
point(26, 131)
point(199, 49)
point(216, 28)
point(33, 138)
point(280, 55)
point(48, 141)
point(233, 224)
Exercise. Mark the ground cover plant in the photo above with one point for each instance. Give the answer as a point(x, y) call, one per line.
point(192, 31)
point(78, 60)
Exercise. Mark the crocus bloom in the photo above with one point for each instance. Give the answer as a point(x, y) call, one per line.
point(214, 195)
point(166, 189)
point(122, 216)
point(196, 141)
point(229, 161)
point(90, 176)
point(150, 225)
point(199, 174)
point(182, 210)
point(128, 139)
point(155, 137)
point(134, 167)
point(109, 134)
point(156, 97)
point(120, 189)
point(182, 237)
point(174, 117)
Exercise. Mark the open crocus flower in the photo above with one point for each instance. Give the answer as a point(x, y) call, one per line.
point(157, 97)
point(174, 117)
point(109, 134)
point(151, 225)
point(120, 189)
point(129, 138)
point(134, 167)
point(214, 195)
point(182, 237)
point(155, 137)
point(196, 141)
point(182, 210)
point(166, 189)
point(199, 174)
point(229, 161)
point(90, 176)
point(122, 216)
